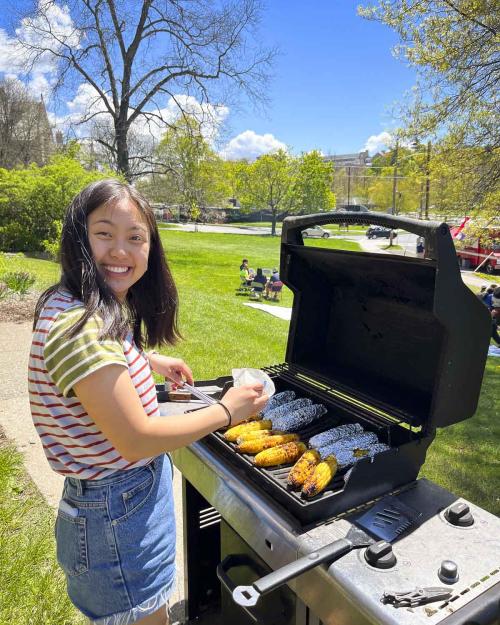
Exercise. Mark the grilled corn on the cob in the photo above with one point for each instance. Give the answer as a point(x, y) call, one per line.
point(282, 454)
point(320, 477)
point(250, 436)
point(256, 445)
point(232, 434)
point(298, 418)
point(278, 400)
point(303, 468)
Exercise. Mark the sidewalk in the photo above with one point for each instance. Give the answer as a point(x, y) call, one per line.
point(17, 424)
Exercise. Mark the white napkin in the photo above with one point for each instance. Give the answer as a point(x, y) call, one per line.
point(250, 376)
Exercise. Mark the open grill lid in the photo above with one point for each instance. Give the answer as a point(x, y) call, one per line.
point(405, 332)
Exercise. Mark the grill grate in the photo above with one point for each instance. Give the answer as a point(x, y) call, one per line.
point(351, 486)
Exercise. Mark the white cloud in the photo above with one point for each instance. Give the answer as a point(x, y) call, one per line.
point(376, 143)
point(16, 60)
point(250, 145)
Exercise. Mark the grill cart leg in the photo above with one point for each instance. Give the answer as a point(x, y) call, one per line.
point(201, 524)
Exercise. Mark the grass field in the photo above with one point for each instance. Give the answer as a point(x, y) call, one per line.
point(32, 586)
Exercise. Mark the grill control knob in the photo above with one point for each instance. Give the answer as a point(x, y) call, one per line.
point(448, 572)
point(380, 555)
point(459, 514)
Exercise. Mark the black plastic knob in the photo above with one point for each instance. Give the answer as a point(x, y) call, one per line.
point(448, 572)
point(380, 555)
point(459, 514)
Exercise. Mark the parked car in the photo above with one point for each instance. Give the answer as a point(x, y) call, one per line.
point(380, 232)
point(315, 231)
point(352, 208)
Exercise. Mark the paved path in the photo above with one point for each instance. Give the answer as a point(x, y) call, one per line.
point(16, 422)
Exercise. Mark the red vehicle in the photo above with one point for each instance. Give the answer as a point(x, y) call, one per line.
point(473, 252)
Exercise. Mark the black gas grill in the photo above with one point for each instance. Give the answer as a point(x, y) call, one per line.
point(395, 344)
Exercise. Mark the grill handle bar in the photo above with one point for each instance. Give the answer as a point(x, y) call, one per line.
point(248, 596)
point(438, 241)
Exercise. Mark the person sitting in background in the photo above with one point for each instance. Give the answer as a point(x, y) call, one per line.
point(274, 285)
point(495, 313)
point(259, 282)
point(482, 292)
point(245, 277)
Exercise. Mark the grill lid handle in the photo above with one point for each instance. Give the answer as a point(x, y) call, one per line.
point(292, 228)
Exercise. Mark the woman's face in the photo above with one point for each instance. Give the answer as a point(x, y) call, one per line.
point(119, 239)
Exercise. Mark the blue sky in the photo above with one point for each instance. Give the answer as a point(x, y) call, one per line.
point(334, 81)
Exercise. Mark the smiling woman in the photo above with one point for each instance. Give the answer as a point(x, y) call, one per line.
point(119, 240)
point(93, 402)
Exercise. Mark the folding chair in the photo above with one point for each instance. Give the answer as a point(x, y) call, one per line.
point(257, 290)
point(276, 288)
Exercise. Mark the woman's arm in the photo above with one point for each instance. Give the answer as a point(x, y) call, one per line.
point(110, 399)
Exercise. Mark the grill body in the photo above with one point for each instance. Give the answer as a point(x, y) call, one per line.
point(349, 591)
point(399, 346)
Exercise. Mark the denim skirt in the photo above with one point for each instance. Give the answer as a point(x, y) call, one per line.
point(116, 543)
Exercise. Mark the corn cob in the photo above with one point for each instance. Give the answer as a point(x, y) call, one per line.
point(303, 468)
point(359, 441)
point(254, 417)
point(256, 445)
point(298, 418)
point(238, 430)
point(278, 399)
point(335, 434)
point(286, 409)
point(282, 454)
point(252, 434)
point(320, 478)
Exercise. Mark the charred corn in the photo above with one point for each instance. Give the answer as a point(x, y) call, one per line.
point(248, 436)
point(303, 468)
point(321, 476)
point(256, 445)
point(282, 454)
point(232, 434)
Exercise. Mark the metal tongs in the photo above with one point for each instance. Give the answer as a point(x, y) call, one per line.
point(416, 597)
point(199, 394)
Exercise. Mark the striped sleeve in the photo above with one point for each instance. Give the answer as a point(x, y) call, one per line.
point(69, 360)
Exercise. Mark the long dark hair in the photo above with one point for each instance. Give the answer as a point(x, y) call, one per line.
point(151, 303)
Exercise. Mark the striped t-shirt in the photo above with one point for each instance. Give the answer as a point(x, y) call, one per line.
point(72, 442)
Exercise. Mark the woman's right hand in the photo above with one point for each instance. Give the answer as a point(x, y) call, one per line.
point(245, 401)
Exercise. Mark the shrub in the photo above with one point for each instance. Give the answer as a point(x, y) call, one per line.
point(32, 200)
point(4, 291)
point(52, 245)
point(19, 281)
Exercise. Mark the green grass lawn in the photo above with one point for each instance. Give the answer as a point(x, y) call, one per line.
point(32, 586)
point(45, 271)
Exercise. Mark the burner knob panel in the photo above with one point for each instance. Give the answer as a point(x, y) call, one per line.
point(448, 572)
point(459, 514)
point(380, 555)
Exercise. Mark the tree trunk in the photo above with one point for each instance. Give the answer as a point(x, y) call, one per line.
point(122, 159)
point(273, 220)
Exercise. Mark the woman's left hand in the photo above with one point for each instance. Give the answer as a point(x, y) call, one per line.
point(174, 369)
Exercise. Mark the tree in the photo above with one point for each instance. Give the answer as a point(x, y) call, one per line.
point(194, 175)
point(133, 56)
point(313, 185)
point(453, 44)
point(25, 134)
point(269, 184)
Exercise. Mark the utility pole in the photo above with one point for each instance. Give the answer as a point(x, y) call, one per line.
point(427, 179)
point(395, 180)
point(348, 186)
